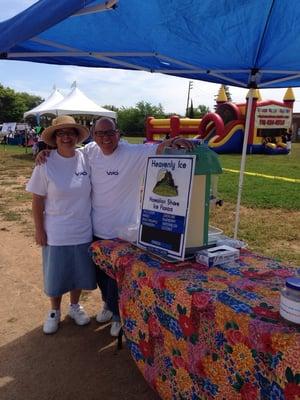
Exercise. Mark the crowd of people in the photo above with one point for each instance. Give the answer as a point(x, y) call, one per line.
point(82, 195)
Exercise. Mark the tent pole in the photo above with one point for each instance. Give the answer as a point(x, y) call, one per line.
point(243, 163)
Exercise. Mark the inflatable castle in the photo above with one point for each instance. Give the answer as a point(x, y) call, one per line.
point(223, 130)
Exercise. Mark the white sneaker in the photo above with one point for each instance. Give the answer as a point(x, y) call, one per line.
point(104, 316)
point(52, 322)
point(115, 328)
point(79, 315)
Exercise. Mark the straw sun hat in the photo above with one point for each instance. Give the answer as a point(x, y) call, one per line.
point(63, 122)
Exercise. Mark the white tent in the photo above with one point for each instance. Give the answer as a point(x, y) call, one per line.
point(54, 98)
point(77, 103)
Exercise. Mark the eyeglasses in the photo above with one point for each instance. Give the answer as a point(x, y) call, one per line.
point(65, 133)
point(109, 132)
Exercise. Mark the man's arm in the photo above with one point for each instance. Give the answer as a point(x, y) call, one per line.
point(175, 143)
point(42, 156)
point(38, 207)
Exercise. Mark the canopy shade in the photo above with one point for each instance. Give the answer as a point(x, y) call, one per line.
point(236, 42)
point(54, 98)
point(245, 43)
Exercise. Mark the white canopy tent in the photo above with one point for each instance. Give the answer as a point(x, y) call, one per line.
point(77, 103)
point(54, 98)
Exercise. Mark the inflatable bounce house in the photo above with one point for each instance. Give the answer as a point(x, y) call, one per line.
point(223, 130)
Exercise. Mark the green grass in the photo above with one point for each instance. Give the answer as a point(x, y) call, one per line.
point(14, 149)
point(270, 216)
point(280, 165)
point(133, 140)
point(11, 216)
point(260, 192)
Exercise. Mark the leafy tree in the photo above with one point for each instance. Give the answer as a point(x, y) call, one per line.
point(111, 107)
point(191, 113)
point(30, 100)
point(198, 112)
point(14, 104)
point(202, 110)
point(132, 120)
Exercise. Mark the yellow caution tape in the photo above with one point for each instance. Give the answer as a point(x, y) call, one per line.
point(280, 178)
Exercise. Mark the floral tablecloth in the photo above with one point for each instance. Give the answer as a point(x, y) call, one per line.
point(205, 333)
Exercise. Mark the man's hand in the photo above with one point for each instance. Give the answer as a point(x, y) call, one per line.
point(176, 143)
point(42, 156)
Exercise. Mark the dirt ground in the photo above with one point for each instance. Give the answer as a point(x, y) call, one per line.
point(76, 362)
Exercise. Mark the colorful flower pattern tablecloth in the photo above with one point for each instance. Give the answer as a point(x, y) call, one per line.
point(205, 333)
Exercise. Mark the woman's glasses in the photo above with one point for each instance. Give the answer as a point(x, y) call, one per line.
point(66, 133)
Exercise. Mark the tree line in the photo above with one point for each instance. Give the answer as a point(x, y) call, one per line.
point(14, 104)
point(131, 120)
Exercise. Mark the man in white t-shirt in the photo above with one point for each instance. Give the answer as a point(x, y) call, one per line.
point(117, 168)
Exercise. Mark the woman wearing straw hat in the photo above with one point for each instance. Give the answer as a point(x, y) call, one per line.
point(61, 206)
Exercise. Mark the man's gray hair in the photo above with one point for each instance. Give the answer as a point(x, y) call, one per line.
point(113, 121)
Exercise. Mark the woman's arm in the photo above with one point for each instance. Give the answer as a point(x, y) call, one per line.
point(38, 207)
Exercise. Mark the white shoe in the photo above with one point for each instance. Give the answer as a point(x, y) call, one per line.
point(79, 315)
point(115, 328)
point(52, 322)
point(104, 316)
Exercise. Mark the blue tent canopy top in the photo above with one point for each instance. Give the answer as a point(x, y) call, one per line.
point(238, 42)
point(244, 43)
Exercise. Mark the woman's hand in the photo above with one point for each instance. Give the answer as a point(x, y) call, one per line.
point(40, 237)
point(38, 207)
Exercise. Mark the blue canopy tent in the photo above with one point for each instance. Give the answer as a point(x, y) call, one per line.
point(245, 43)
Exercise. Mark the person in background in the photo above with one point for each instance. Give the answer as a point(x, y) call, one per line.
point(61, 205)
point(117, 168)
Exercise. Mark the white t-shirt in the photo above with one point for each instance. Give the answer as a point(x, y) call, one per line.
point(65, 182)
point(116, 181)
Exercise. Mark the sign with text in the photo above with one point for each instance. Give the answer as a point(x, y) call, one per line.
point(165, 204)
point(272, 117)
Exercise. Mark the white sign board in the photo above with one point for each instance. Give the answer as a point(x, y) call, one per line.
point(165, 204)
point(9, 127)
point(272, 117)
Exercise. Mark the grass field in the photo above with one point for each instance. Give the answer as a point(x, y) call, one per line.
point(259, 191)
point(270, 213)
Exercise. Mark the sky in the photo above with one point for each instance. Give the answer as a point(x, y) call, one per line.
point(114, 87)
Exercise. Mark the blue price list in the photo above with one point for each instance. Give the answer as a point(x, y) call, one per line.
point(165, 222)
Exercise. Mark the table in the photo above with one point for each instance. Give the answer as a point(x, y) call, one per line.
point(205, 333)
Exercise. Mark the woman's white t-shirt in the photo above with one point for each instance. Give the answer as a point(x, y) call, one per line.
point(65, 183)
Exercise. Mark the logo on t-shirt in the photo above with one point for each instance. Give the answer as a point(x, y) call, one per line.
point(115, 172)
point(81, 173)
